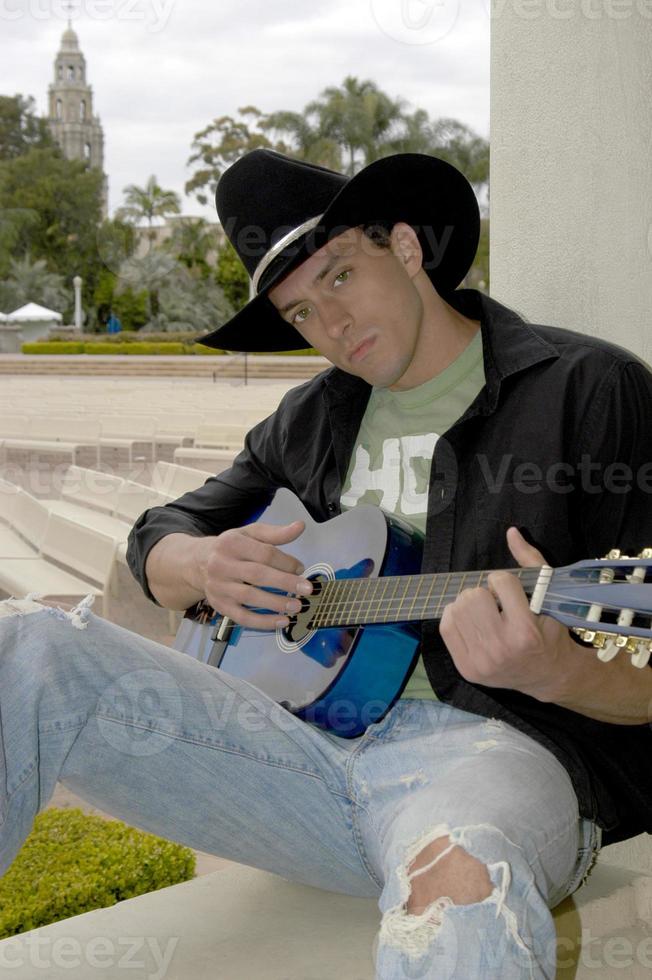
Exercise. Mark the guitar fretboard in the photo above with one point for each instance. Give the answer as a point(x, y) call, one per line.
point(398, 598)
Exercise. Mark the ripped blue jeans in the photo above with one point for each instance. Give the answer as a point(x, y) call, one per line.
point(188, 752)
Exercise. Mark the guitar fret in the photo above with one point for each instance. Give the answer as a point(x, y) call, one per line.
point(396, 598)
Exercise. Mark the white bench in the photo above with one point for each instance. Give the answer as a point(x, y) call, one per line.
point(174, 427)
point(220, 436)
point(12, 545)
point(189, 453)
point(127, 431)
point(47, 434)
point(88, 554)
point(177, 480)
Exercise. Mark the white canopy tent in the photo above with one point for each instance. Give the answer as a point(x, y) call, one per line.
point(28, 323)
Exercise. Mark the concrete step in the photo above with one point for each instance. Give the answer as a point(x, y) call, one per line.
point(257, 366)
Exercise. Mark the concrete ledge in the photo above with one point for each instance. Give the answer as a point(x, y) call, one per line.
point(240, 922)
point(233, 925)
point(258, 365)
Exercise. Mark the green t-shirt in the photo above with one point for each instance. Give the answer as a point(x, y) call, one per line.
point(390, 463)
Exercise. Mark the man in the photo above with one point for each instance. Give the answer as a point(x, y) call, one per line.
point(478, 802)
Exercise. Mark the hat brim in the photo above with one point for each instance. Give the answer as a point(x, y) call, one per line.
point(425, 192)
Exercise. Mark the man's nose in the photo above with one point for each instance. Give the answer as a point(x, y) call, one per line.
point(336, 318)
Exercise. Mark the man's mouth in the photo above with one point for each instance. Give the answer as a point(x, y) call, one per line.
point(361, 350)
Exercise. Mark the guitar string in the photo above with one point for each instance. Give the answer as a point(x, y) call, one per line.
point(358, 608)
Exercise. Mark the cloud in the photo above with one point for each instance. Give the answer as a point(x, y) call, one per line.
point(162, 69)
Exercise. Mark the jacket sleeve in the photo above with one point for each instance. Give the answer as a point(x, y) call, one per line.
point(231, 499)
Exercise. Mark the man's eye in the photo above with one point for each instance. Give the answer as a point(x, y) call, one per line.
point(342, 276)
point(301, 315)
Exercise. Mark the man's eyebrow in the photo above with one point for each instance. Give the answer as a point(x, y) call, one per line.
point(330, 264)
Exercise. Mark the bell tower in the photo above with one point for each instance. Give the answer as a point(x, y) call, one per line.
point(72, 123)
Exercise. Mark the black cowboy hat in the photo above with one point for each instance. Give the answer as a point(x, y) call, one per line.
point(277, 211)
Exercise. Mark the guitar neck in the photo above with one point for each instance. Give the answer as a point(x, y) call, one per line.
point(399, 598)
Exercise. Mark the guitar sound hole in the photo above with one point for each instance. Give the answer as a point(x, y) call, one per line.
point(300, 624)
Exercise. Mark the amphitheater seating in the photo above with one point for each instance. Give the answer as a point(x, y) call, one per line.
point(177, 480)
point(87, 553)
point(47, 434)
point(128, 431)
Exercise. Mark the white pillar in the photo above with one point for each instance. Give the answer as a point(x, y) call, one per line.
point(571, 165)
point(77, 283)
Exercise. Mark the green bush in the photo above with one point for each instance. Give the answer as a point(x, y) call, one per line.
point(134, 348)
point(52, 347)
point(72, 863)
point(202, 349)
point(133, 343)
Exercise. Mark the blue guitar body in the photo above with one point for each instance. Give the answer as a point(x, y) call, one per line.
point(342, 679)
point(345, 657)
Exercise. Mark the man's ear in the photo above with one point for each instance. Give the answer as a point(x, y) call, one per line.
point(406, 247)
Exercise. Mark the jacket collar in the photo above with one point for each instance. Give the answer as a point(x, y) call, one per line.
point(510, 345)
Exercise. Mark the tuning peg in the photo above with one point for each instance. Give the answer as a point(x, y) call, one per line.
point(642, 656)
point(608, 652)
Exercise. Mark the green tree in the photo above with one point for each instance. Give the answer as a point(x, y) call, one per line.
point(345, 128)
point(231, 276)
point(299, 137)
point(56, 205)
point(148, 272)
point(459, 145)
point(220, 144)
point(177, 300)
point(193, 242)
point(148, 202)
point(128, 303)
point(359, 117)
point(31, 281)
point(20, 128)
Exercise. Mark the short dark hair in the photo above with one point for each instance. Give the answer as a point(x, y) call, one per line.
point(379, 232)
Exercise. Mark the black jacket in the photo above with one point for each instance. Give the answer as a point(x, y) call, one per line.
point(558, 442)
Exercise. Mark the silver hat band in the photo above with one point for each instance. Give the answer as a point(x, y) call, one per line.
point(282, 243)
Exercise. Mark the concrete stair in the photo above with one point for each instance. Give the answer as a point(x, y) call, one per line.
point(257, 366)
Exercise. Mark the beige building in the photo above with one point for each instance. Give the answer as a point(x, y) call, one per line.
point(70, 109)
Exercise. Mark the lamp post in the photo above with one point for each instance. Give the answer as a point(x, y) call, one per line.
point(77, 283)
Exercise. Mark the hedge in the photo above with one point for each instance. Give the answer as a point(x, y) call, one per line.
point(137, 347)
point(53, 347)
point(72, 863)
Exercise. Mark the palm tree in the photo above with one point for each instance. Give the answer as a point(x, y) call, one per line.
point(359, 117)
point(148, 202)
point(306, 141)
point(192, 242)
point(148, 272)
point(33, 282)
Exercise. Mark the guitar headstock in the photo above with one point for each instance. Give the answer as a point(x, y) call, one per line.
point(608, 603)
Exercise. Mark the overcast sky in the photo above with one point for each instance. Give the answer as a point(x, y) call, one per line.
point(162, 69)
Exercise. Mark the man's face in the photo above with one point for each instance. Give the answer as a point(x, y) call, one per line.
point(358, 304)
